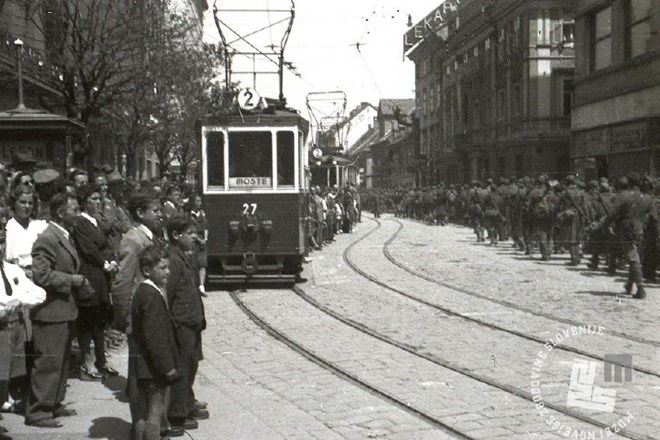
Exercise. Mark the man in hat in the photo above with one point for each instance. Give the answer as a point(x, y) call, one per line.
point(44, 184)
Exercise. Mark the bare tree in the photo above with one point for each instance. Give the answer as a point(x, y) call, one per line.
point(129, 70)
point(98, 47)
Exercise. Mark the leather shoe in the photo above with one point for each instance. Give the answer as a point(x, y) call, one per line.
point(90, 376)
point(641, 293)
point(201, 405)
point(185, 424)
point(172, 432)
point(107, 370)
point(199, 414)
point(63, 411)
point(44, 423)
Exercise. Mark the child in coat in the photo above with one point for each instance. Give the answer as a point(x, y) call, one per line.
point(153, 357)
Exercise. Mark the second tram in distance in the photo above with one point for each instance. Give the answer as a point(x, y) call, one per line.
point(254, 188)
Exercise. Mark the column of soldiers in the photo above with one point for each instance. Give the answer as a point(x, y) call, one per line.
point(615, 224)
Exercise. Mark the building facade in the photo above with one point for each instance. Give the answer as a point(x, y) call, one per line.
point(394, 155)
point(360, 120)
point(616, 117)
point(494, 88)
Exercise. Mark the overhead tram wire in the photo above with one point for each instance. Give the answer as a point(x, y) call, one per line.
point(260, 52)
point(240, 37)
point(259, 30)
point(373, 80)
point(270, 28)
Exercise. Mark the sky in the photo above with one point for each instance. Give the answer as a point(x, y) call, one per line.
point(323, 48)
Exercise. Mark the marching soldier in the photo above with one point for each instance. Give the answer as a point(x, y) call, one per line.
point(541, 212)
point(492, 214)
point(475, 199)
point(573, 214)
point(631, 214)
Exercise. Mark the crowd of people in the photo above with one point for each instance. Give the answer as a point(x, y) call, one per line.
point(615, 223)
point(82, 255)
point(332, 211)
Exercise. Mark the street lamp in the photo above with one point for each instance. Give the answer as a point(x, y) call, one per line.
point(19, 47)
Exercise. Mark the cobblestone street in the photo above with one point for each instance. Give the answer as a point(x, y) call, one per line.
point(415, 332)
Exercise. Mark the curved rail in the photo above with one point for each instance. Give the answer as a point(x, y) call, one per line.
point(509, 304)
point(450, 366)
point(333, 368)
point(349, 263)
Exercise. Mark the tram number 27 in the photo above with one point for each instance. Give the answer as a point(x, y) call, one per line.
point(249, 208)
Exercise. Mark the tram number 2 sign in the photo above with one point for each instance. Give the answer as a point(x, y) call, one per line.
point(249, 208)
point(248, 99)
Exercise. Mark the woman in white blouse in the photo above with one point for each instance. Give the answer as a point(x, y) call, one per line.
point(22, 230)
point(17, 292)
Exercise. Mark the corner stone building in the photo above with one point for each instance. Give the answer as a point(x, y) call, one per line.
point(494, 87)
point(616, 117)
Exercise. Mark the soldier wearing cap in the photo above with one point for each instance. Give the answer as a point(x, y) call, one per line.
point(493, 217)
point(542, 206)
point(631, 214)
point(574, 214)
point(476, 198)
point(44, 184)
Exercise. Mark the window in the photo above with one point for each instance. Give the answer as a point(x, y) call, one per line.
point(466, 58)
point(568, 33)
point(475, 51)
point(286, 161)
point(638, 27)
point(448, 70)
point(426, 66)
point(487, 43)
point(250, 159)
point(501, 105)
point(516, 100)
point(567, 101)
point(215, 158)
point(519, 165)
point(476, 115)
point(602, 39)
point(563, 34)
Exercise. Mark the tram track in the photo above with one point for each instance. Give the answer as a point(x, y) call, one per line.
point(463, 371)
point(504, 303)
point(450, 312)
point(450, 365)
point(390, 397)
point(342, 373)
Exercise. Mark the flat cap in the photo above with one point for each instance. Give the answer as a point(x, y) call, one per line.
point(114, 177)
point(45, 176)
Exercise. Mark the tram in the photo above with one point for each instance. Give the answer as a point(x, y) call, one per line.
point(254, 186)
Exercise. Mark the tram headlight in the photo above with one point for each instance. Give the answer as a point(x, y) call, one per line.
point(266, 227)
point(234, 230)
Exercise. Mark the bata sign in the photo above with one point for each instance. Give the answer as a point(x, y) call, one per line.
point(432, 23)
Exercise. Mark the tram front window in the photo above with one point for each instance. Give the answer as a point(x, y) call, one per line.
point(250, 159)
point(286, 163)
point(215, 159)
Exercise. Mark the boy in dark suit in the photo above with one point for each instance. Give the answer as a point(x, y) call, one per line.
point(187, 311)
point(153, 358)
